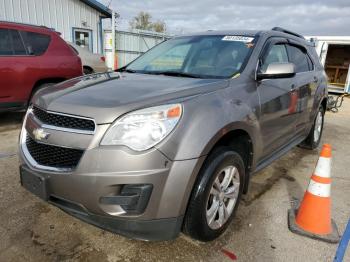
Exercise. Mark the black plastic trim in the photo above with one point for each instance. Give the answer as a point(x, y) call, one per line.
point(143, 191)
point(120, 200)
point(133, 198)
point(12, 106)
point(148, 230)
point(286, 31)
point(278, 154)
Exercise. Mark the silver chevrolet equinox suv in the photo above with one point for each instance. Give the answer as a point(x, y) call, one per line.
point(169, 142)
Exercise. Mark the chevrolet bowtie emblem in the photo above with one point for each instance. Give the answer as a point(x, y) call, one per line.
point(40, 134)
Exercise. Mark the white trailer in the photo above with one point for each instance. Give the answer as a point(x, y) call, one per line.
point(334, 54)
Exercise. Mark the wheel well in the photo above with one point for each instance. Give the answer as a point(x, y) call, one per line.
point(241, 142)
point(45, 81)
point(324, 104)
point(48, 80)
point(89, 68)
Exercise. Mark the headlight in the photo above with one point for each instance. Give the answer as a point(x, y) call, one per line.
point(142, 129)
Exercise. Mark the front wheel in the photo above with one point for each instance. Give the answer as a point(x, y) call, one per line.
point(215, 196)
point(313, 139)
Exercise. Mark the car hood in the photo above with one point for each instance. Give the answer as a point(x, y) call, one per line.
point(105, 97)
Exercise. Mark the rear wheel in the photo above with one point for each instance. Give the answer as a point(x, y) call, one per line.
point(314, 137)
point(216, 195)
point(87, 70)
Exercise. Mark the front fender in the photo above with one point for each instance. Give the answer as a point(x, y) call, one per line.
point(206, 119)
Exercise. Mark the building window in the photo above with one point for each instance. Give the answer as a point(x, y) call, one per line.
point(83, 38)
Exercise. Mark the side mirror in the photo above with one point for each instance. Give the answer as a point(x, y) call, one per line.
point(277, 70)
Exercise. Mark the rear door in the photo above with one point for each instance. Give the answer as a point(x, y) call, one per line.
point(306, 82)
point(6, 52)
point(277, 120)
point(36, 45)
point(12, 69)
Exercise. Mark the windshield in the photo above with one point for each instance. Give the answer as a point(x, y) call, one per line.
point(216, 56)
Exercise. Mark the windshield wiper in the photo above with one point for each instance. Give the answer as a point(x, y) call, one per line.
point(129, 71)
point(174, 73)
point(167, 73)
point(124, 69)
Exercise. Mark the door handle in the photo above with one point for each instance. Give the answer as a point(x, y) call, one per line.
point(293, 88)
point(315, 79)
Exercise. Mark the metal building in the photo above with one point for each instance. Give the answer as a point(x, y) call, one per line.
point(131, 44)
point(78, 21)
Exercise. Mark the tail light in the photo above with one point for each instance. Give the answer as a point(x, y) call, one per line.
point(103, 59)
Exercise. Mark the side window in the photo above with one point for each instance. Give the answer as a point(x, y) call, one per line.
point(299, 58)
point(5, 43)
point(35, 43)
point(18, 47)
point(277, 54)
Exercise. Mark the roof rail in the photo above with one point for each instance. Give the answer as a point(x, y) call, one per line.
point(26, 24)
point(280, 29)
point(31, 25)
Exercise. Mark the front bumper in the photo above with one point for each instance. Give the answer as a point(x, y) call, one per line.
point(83, 193)
point(41, 184)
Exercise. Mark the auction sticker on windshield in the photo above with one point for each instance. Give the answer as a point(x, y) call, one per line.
point(239, 38)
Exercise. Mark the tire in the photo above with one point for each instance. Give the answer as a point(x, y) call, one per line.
point(87, 71)
point(201, 221)
point(313, 139)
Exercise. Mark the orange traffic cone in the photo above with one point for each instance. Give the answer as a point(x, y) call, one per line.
point(313, 218)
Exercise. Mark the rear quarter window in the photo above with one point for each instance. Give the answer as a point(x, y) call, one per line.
point(35, 43)
point(314, 58)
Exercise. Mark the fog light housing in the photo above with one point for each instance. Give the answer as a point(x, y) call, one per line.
point(133, 198)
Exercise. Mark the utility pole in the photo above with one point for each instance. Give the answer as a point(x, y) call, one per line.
point(113, 39)
point(111, 61)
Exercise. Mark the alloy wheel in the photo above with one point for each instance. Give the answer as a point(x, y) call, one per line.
point(318, 126)
point(222, 197)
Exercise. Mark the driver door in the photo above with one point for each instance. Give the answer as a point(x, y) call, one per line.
point(278, 100)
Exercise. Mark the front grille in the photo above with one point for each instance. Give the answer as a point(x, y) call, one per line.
point(63, 120)
point(53, 156)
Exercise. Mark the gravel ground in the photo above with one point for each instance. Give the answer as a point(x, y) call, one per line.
point(32, 230)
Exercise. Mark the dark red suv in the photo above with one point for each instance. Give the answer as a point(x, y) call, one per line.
point(32, 57)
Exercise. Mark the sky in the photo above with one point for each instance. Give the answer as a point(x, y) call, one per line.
point(308, 17)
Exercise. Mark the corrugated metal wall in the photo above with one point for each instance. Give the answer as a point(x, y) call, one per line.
point(62, 15)
point(129, 45)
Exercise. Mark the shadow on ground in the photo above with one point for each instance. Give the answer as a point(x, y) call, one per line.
point(10, 120)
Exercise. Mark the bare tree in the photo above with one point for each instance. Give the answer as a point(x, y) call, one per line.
point(142, 21)
point(159, 26)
